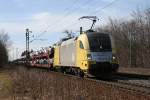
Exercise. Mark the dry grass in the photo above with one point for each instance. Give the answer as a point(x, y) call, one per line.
point(5, 84)
point(38, 85)
point(29, 84)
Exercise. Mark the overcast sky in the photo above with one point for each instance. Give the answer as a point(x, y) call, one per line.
point(52, 17)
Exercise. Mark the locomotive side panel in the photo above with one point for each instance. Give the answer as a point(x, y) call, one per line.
point(68, 54)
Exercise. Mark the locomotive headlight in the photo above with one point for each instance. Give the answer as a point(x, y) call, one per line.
point(114, 60)
point(89, 57)
point(113, 57)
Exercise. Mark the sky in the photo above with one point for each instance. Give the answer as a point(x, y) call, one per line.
point(50, 18)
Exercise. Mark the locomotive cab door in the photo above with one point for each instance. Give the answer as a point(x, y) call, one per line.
point(81, 58)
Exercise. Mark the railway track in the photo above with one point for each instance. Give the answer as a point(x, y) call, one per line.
point(146, 85)
point(140, 76)
point(140, 89)
point(133, 82)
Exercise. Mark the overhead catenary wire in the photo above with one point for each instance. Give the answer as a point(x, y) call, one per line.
point(66, 12)
point(73, 9)
point(104, 7)
point(99, 9)
point(45, 31)
point(77, 8)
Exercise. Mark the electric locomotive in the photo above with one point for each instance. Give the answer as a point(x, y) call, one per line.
point(88, 54)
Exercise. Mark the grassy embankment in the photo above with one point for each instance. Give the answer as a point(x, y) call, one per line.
point(32, 84)
point(5, 84)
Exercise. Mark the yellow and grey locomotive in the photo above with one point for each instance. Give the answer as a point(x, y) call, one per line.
point(90, 53)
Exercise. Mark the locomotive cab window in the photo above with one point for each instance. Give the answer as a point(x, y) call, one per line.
point(99, 42)
point(81, 45)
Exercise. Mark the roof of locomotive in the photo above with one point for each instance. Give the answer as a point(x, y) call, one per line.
point(96, 33)
point(69, 40)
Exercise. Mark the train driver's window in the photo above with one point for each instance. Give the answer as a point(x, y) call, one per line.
point(81, 45)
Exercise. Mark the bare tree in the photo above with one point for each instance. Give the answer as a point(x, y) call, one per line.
point(132, 38)
point(4, 43)
point(69, 33)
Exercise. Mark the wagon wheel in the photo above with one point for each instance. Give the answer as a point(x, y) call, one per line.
point(80, 73)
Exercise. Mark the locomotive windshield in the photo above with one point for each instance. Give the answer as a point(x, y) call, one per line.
point(99, 42)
